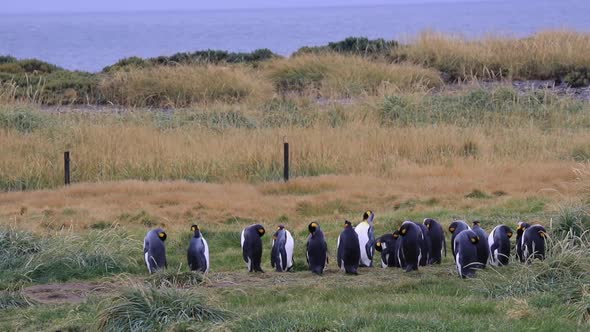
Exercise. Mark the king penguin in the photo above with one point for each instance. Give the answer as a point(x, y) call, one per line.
point(154, 250)
point(281, 255)
point(483, 249)
point(198, 251)
point(466, 253)
point(366, 235)
point(533, 243)
point(252, 247)
point(411, 245)
point(349, 251)
point(499, 243)
point(437, 240)
point(316, 249)
point(455, 228)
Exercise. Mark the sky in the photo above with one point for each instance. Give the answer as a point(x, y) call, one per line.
point(28, 6)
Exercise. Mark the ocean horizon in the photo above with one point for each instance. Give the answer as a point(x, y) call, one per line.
point(90, 41)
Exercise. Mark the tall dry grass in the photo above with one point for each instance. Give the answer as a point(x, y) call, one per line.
point(182, 86)
point(332, 75)
point(545, 55)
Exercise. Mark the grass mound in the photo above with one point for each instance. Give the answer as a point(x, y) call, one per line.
point(149, 309)
point(25, 257)
point(557, 55)
point(332, 75)
point(564, 276)
point(182, 86)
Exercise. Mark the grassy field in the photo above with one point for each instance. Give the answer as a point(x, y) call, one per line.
point(197, 138)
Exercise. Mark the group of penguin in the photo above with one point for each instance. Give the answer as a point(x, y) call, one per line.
point(410, 246)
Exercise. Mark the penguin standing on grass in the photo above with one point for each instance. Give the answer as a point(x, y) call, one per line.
point(437, 240)
point(281, 255)
point(154, 250)
point(483, 249)
point(316, 249)
point(499, 243)
point(533, 243)
point(456, 227)
point(198, 251)
point(426, 246)
point(388, 245)
point(520, 228)
point(466, 253)
point(366, 235)
point(349, 252)
point(252, 247)
point(411, 246)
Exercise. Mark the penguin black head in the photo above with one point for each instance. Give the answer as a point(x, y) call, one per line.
point(428, 223)
point(162, 235)
point(367, 215)
point(395, 234)
point(378, 246)
point(195, 229)
point(347, 224)
point(260, 230)
point(403, 229)
point(476, 223)
point(281, 226)
point(474, 239)
point(313, 227)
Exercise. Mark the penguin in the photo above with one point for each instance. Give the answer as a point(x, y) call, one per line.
point(281, 255)
point(437, 240)
point(198, 252)
point(252, 247)
point(465, 249)
point(388, 245)
point(316, 249)
point(154, 250)
point(426, 245)
point(366, 234)
point(483, 249)
point(520, 228)
point(533, 243)
point(349, 251)
point(455, 228)
point(411, 246)
point(499, 243)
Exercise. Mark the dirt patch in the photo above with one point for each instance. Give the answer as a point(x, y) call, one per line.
point(66, 293)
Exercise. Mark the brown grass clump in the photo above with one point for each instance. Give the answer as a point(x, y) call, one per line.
point(182, 86)
point(332, 75)
point(545, 55)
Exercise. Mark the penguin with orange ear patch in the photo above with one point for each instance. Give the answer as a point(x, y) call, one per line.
point(533, 243)
point(198, 251)
point(316, 249)
point(411, 246)
point(349, 251)
point(252, 247)
point(388, 246)
point(154, 250)
point(466, 253)
point(437, 240)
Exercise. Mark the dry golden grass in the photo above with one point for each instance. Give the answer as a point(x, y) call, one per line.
point(176, 204)
point(332, 75)
point(541, 56)
point(182, 86)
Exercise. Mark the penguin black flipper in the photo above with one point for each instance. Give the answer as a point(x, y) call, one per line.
point(284, 262)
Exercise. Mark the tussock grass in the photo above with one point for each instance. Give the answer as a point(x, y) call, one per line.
point(565, 274)
point(560, 55)
point(13, 299)
point(182, 86)
point(149, 309)
point(175, 279)
point(338, 76)
point(64, 256)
